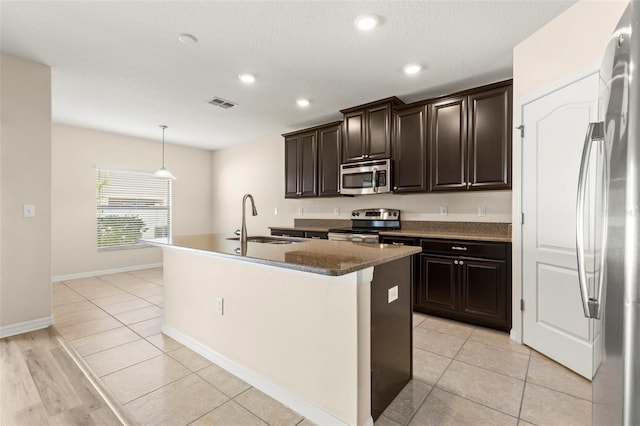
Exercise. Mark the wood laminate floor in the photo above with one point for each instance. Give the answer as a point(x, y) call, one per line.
point(40, 384)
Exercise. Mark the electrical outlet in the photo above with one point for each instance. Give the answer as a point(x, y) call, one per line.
point(482, 211)
point(392, 294)
point(220, 305)
point(444, 211)
point(300, 211)
point(336, 211)
point(134, 256)
point(29, 210)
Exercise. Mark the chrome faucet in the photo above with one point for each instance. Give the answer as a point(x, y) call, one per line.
point(243, 232)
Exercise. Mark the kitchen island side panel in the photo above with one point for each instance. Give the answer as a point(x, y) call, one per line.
point(308, 334)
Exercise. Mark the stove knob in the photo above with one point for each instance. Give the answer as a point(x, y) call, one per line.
point(395, 213)
point(353, 214)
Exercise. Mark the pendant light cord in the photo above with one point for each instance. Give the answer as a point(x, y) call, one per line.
point(162, 126)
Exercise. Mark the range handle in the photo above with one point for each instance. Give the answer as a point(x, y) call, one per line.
point(590, 305)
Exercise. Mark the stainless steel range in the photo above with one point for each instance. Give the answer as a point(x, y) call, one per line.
point(366, 224)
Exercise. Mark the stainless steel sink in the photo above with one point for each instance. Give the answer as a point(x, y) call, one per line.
point(268, 240)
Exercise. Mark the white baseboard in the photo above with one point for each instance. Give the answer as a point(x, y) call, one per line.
point(302, 406)
point(25, 327)
point(104, 272)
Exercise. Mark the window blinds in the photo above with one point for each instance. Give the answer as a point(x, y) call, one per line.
point(131, 205)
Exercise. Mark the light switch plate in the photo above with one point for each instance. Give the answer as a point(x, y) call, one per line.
point(444, 211)
point(220, 305)
point(29, 210)
point(392, 294)
point(482, 211)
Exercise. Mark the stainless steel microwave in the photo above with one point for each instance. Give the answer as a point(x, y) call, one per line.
point(365, 177)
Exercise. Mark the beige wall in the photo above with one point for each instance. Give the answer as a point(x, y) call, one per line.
point(76, 152)
point(25, 173)
point(569, 45)
point(258, 168)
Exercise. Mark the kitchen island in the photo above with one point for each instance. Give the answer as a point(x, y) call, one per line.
point(304, 321)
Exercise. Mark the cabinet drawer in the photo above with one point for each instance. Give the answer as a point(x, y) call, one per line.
point(400, 241)
point(465, 248)
point(316, 235)
point(286, 233)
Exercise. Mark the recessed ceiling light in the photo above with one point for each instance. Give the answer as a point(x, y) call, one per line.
point(187, 38)
point(366, 22)
point(412, 68)
point(303, 103)
point(247, 78)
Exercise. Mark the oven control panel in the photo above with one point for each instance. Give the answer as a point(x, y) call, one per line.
point(376, 214)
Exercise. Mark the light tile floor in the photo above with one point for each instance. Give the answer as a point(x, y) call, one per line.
point(463, 375)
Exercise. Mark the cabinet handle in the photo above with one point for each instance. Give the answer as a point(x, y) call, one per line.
point(459, 248)
point(316, 238)
point(397, 244)
point(285, 235)
point(455, 262)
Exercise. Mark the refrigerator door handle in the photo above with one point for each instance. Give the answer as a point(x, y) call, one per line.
point(591, 306)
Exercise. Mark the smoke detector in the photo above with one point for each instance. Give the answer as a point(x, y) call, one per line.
point(222, 103)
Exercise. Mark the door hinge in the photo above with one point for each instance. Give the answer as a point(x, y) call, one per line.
point(522, 219)
point(522, 304)
point(521, 128)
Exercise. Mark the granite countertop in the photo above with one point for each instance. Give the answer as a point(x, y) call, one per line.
point(316, 256)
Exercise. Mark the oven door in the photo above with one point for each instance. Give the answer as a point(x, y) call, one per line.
point(371, 177)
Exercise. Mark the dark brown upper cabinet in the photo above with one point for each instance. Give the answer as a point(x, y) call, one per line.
point(301, 164)
point(490, 139)
point(367, 130)
point(329, 144)
point(312, 161)
point(470, 141)
point(410, 149)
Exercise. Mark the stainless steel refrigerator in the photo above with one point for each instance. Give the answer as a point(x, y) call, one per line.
point(613, 293)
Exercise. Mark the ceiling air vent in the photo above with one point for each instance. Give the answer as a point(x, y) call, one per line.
point(222, 103)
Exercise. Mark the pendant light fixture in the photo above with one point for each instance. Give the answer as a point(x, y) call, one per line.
point(163, 173)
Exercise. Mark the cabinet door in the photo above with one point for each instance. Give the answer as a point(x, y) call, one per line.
point(436, 290)
point(410, 150)
point(308, 185)
point(329, 144)
point(448, 144)
point(483, 287)
point(378, 136)
point(291, 166)
point(489, 153)
point(353, 144)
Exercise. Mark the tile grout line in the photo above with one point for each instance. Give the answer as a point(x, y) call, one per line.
point(460, 396)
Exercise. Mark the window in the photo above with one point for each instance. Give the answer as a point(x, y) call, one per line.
point(131, 205)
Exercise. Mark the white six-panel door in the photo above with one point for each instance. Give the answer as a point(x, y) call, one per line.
point(553, 319)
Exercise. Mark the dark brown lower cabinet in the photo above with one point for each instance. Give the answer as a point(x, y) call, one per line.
point(438, 289)
point(467, 281)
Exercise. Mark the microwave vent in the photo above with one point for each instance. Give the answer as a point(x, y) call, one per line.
point(222, 103)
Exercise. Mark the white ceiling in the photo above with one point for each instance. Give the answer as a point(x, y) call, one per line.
point(118, 65)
